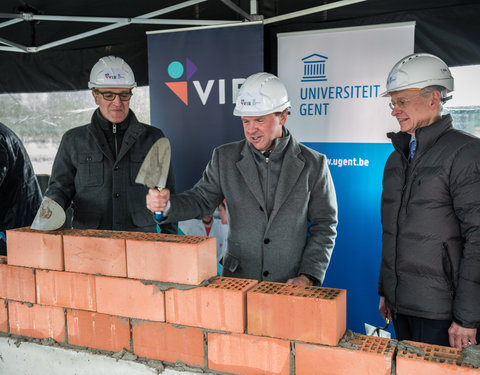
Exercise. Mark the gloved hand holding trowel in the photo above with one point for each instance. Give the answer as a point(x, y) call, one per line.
point(50, 216)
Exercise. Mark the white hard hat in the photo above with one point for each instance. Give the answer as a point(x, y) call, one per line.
point(261, 94)
point(418, 71)
point(111, 71)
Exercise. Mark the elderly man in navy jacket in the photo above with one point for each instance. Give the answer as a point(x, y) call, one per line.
point(430, 271)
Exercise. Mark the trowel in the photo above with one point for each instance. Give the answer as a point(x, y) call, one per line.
point(154, 170)
point(50, 216)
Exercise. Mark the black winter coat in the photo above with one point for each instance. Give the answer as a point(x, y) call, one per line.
point(431, 225)
point(20, 194)
point(100, 186)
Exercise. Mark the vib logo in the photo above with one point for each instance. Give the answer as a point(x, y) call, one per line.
point(314, 68)
point(175, 71)
point(180, 88)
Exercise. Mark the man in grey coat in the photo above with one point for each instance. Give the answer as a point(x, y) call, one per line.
point(430, 271)
point(96, 164)
point(279, 194)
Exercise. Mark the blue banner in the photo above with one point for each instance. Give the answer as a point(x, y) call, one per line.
point(357, 170)
point(194, 78)
point(335, 79)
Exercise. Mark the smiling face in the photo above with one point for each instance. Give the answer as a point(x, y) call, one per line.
point(261, 131)
point(114, 111)
point(414, 109)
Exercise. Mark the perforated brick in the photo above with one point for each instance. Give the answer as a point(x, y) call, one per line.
point(360, 355)
point(221, 305)
point(96, 252)
point(166, 342)
point(129, 298)
point(17, 283)
point(38, 321)
point(66, 289)
point(171, 258)
point(99, 331)
point(237, 353)
point(37, 249)
point(297, 312)
point(3, 316)
point(420, 358)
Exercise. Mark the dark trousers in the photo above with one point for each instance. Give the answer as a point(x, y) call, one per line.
point(429, 331)
point(422, 330)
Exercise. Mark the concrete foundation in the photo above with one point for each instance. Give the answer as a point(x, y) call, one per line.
point(29, 358)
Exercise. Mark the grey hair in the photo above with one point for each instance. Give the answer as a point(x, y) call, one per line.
point(443, 94)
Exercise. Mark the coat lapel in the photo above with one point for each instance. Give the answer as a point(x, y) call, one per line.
point(131, 135)
point(245, 166)
point(292, 166)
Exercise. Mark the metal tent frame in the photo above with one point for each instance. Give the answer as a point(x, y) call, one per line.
point(148, 18)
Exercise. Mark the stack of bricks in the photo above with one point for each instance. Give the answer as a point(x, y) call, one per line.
point(158, 297)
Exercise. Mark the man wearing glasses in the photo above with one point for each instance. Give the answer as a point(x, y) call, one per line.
point(430, 271)
point(96, 164)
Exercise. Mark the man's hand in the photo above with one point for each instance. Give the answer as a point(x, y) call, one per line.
point(461, 337)
point(300, 280)
point(384, 310)
point(157, 200)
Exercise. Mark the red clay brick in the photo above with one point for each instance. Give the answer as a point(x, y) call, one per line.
point(171, 258)
point(365, 355)
point(95, 251)
point(221, 305)
point(297, 312)
point(130, 298)
point(36, 321)
point(98, 331)
point(3, 316)
point(165, 342)
point(37, 249)
point(436, 360)
point(245, 354)
point(66, 289)
point(17, 283)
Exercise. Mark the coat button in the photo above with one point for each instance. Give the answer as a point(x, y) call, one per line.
point(116, 168)
point(266, 241)
point(266, 273)
point(116, 195)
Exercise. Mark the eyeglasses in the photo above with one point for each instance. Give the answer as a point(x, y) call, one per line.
point(402, 102)
point(110, 96)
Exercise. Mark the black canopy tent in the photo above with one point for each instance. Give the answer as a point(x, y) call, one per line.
point(51, 45)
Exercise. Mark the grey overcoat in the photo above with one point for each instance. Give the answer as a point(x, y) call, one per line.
point(262, 247)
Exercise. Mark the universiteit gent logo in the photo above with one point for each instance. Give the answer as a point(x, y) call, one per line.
point(175, 71)
point(314, 68)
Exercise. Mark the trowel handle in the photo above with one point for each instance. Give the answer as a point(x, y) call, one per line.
point(159, 215)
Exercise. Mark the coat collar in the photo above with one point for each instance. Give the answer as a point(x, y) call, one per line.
point(292, 166)
point(130, 126)
point(425, 136)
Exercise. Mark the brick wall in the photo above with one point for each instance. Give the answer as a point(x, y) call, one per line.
point(156, 295)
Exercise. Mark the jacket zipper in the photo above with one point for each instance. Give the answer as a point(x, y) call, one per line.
point(115, 138)
point(448, 269)
point(402, 203)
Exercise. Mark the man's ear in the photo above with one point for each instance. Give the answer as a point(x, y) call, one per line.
point(95, 97)
point(435, 99)
point(283, 117)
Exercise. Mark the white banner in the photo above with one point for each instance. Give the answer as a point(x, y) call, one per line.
point(335, 79)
